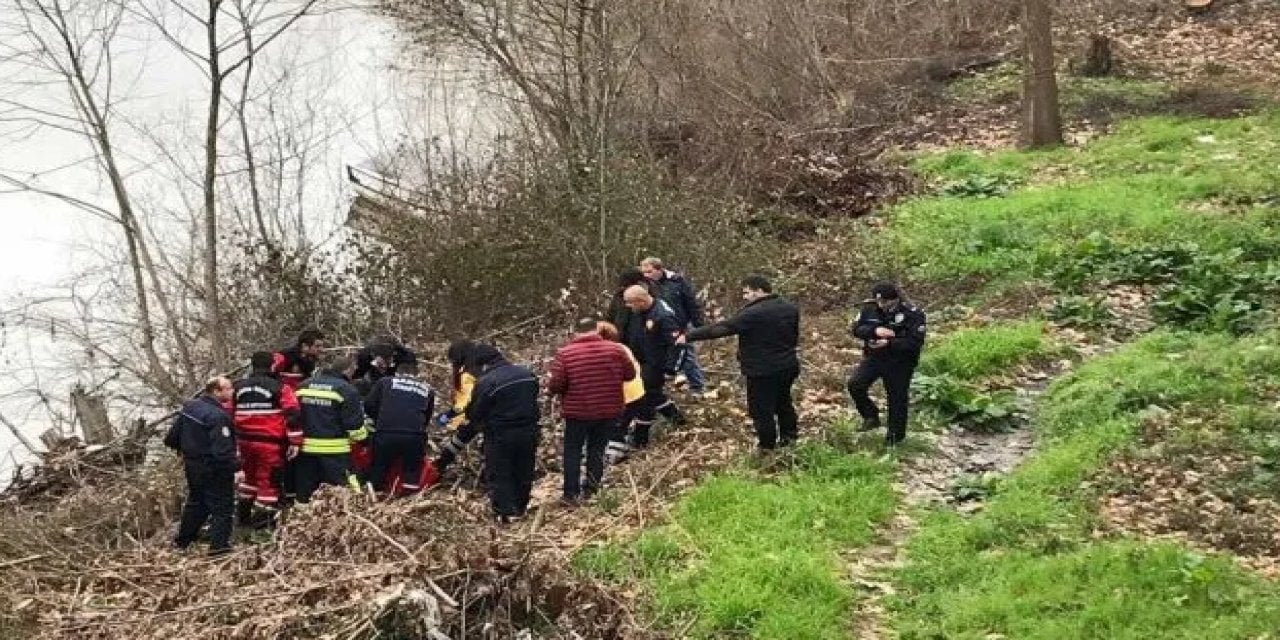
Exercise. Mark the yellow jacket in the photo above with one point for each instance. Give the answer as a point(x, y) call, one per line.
point(461, 398)
point(632, 389)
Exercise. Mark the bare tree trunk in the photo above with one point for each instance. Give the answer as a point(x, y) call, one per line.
point(1042, 121)
point(213, 309)
point(91, 411)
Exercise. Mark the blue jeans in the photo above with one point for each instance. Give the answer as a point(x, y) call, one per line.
point(692, 370)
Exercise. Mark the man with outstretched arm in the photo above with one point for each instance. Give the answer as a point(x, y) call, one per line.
point(892, 331)
point(768, 330)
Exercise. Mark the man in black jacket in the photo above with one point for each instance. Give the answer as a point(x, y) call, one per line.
point(203, 433)
point(768, 330)
point(652, 337)
point(504, 404)
point(892, 331)
point(678, 292)
point(400, 407)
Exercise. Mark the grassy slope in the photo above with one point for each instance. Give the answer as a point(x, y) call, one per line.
point(1026, 567)
point(748, 555)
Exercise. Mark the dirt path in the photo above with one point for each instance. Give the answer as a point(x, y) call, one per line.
point(933, 480)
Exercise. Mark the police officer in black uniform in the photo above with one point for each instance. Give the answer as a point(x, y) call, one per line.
point(892, 332)
point(204, 435)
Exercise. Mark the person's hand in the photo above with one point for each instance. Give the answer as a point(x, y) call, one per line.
point(879, 344)
point(884, 332)
point(682, 339)
point(239, 477)
point(291, 452)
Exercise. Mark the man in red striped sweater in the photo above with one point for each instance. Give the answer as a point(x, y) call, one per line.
point(588, 373)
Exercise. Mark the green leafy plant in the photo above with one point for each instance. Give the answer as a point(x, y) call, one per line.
point(979, 186)
point(1086, 312)
point(963, 403)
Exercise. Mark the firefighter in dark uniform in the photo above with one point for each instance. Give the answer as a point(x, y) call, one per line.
point(332, 418)
point(204, 435)
point(892, 332)
point(652, 339)
point(504, 406)
point(400, 407)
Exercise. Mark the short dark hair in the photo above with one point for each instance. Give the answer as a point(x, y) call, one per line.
point(758, 282)
point(261, 360)
point(409, 367)
point(886, 290)
point(310, 336)
point(586, 325)
point(632, 275)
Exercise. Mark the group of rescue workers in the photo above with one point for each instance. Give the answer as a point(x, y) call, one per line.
point(305, 417)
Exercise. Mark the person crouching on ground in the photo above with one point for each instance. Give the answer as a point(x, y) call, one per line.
point(400, 406)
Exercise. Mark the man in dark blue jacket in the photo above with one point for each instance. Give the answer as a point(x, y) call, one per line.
point(652, 339)
point(400, 407)
point(768, 330)
point(892, 332)
point(504, 404)
point(678, 292)
point(204, 434)
point(332, 418)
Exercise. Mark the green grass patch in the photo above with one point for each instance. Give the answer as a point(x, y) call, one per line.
point(977, 352)
point(1027, 566)
point(756, 557)
point(1162, 200)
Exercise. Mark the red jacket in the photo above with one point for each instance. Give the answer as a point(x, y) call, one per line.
point(588, 373)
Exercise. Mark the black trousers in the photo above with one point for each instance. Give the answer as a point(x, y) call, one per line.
point(406, 448)
point(772, 411)
point(509, 462)
point(314, 469)
point(211, 492)
point(594, 436)
point(896, 377)
point(654, 403)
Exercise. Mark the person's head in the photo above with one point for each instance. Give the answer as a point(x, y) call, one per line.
point(219, 388)
point(631, 276)
point(407, 368)
point(608, 331)
point(652, 268)
point(637, 298)
point(383, 350)
point(311, 343)
point(482, 357)
point(756, 286)
point(458, 353)
point(341, 364)
point(886, 295)
point(261, 361)
point(586, 327)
